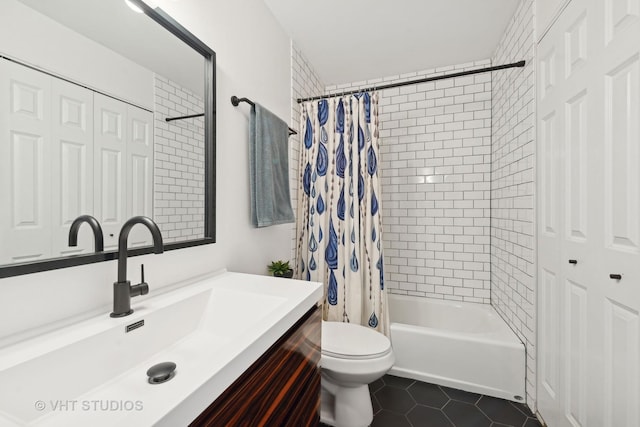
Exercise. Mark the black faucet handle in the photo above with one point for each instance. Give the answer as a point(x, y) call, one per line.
point(141, 288)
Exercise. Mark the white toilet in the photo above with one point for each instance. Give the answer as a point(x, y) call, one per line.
point(352, 357)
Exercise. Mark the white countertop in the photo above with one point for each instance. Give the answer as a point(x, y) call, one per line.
point(93, 373)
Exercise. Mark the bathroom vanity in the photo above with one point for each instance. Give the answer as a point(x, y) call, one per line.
point(281, 388)
point(246, 348)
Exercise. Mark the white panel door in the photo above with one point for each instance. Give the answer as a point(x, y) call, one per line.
point(618, 68)
point(72, 165)
point(589, 322)
point(550, 224)
point(139, 156)
point(110, 138)
point(25, 159)
point(578, 93)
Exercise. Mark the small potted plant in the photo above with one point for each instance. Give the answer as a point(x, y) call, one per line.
point(280, 269)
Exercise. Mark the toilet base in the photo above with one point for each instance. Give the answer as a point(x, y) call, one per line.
point(345, 406)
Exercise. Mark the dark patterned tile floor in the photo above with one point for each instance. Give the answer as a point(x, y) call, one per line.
point(402, 402)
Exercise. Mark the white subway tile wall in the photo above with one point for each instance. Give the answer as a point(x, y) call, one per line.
point(435, 149)
point(178, 204)
point(305, 82)
point(513, 291)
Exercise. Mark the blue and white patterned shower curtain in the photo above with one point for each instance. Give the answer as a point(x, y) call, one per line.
point(339, 225)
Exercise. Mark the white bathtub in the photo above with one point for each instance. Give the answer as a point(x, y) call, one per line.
point(461, 345)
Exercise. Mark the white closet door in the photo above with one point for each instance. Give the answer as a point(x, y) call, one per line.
point(618, 68)
point(551, 195)
point(72, 165)
point(589, 339)
point(139, 171)
point(110, 136)
point(25, 164)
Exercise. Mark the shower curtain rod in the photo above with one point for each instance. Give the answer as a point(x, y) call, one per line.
point(413, 82)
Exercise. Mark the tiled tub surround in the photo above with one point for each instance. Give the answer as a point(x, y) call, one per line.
point(456, 344)
point(436, 168)
point(513, 292)
point(458, 194)
point(435, 145)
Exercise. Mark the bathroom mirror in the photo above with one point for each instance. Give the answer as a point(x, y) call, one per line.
point(105, 111)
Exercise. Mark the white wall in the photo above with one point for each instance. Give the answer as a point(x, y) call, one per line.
point(39, 41)
point(513, 291)
point(255, 64)
point(547, 12)
point(435, 146)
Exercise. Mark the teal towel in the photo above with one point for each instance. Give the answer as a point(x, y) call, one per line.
point(269, 153)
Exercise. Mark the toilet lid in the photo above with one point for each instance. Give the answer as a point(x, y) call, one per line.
point(349, 341)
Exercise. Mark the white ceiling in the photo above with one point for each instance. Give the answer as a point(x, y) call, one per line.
point(354, 40)
point(133, 35)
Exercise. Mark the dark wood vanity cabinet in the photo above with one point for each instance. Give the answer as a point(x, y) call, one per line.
point(282, 388)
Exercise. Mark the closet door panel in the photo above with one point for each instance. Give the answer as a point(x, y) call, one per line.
point(619, 72)
point(550, 229)
point(618, 15)
point(622, 137)
point(549, 334)
point(621, 345)
point(582, 207)
point(576, 170)
point(576, 44)
point(565, 235)
point(575, 351)
point(550, 175)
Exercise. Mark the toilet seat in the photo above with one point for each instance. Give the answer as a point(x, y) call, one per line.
point(349, 341)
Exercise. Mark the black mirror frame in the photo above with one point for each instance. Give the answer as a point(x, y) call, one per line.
point(209, 55)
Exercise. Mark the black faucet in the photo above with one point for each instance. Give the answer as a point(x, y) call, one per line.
point(95, 226)
point(122, 289)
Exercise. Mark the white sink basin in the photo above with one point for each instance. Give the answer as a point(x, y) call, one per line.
point(93, 373)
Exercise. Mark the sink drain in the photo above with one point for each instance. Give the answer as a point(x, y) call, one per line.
point(162, 372)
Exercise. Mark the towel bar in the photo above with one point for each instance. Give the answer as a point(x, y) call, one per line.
point(235, 101)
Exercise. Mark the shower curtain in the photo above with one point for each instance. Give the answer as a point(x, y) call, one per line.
point(339, 227)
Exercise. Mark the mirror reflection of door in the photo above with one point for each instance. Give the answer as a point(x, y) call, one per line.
point(122, 168)
point(71, 156)
point(89, 154)
point(84, 98)
point(26, 223)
